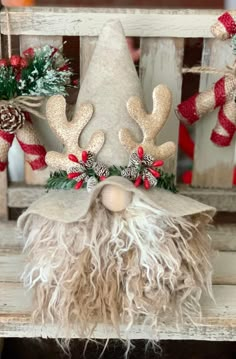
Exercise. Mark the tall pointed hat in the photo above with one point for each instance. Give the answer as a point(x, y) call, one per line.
point(121, 246)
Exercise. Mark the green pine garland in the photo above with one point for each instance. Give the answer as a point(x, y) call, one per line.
point(59, 180)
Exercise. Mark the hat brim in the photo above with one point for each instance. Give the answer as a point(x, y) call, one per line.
point(69, 206)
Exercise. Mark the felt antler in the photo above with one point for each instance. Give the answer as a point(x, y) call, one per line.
point(151, 124)
point(69, 132)
point(225, 27)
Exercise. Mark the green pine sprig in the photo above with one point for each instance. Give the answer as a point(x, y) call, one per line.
point(47, 73)
point(59, 180)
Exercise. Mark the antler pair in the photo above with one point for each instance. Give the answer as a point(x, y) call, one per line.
point(69, 132)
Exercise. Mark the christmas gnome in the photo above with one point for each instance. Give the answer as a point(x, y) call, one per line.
point(221, 96)
point(119, 246)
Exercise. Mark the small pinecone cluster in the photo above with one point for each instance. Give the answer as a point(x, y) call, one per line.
point(11, 118)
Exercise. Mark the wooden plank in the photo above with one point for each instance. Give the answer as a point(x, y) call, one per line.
point(21, 196)
point(12, 265)
point(48, 139)
point(213, 165)
point(3, 195)
point(87, 46)
point(88, 22)
point(223, 237)
point(11, 241)
point(161, 63)
point(225, 268)
point(222, 200)
point(3, 176)
point(218, 321)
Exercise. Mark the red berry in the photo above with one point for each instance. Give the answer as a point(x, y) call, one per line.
point(18, 76)
point(73, 158)
point(146, 184)
point(64, 68)
point(138, 181)
point(158, 163)
point(73, 175)
point(84, 156)
point(29, 52)
point(23, 63)
point(3, 62)
point(55, 49)
point(140, 152)
point(79, 184)
point(154, 172)
point(15, 60)
point(75, 82)
point(102, 178)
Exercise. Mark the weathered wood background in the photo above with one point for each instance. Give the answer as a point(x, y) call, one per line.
point(162, 34)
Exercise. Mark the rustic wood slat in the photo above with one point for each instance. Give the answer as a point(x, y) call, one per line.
point(87, 45)
point(213, 166)
point(88, 22)
point(45, 134)
point(224, 200)
point(224, 268)
point(161, 63)
point(3, 176)
point(12, 265)
point(11, 240)
point(223, 237)
point(218, 321)
point(21, 196)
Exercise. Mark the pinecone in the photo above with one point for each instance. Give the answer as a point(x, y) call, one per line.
point(11, 118)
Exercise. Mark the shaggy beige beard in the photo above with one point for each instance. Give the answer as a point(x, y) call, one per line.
point(141, 265)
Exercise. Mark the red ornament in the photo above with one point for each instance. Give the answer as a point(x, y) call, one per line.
point(102, 178)
point(85, 156)
point(3, 62)
point(29, 52)
point(158, 163)
point(138, 181)
point(140, 152)
point(73, 175)
point(73, 158)
point(154, 172)
point(15, 60)
point(79, 184)
point(146, 183)
point(23, 63)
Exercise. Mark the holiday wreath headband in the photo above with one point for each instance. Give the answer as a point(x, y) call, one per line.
point(79, 167)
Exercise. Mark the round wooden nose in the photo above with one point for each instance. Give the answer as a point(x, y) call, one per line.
point(115, 198)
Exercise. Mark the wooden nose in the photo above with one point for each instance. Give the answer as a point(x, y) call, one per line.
point(115, 199)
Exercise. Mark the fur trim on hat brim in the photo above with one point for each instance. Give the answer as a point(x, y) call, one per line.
point(69, 206)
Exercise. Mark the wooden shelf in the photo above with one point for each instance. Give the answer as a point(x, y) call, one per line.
point(218, 321)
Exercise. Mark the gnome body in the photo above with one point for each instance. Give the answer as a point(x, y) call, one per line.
point(118, 254)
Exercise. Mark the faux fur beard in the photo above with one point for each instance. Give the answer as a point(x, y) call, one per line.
point(140, 265)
